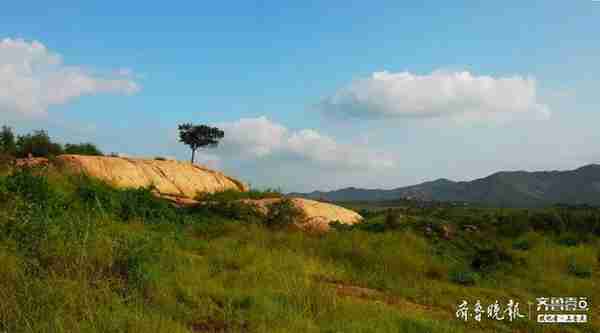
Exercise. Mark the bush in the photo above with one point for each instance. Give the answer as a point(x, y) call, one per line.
point(547, 221)
point(233, 195)
point(37, 144)
point(141, 203)
point(235, 210)
point(126, 204)
point(579, 269)
point(393, 220)
point(283, 213)
point(7, 141)
point(488, 259)
point(6, 162)
point(522, 244)
point(569, 240)
point(463, 276)
point(33, 188)
point(513, 225)
point(82, 149)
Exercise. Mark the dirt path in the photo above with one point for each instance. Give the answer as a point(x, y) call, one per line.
point(373, 295)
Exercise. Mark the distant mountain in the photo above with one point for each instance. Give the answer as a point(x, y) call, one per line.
point(502, 189)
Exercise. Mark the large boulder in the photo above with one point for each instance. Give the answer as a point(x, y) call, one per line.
point(315, 215)
point(169, 177)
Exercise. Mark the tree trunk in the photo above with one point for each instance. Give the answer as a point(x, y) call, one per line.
point(193, 155)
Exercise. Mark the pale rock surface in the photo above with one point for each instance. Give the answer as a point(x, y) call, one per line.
point(170, 178)
point(316, 215)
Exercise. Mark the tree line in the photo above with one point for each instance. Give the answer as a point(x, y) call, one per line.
point(39, 144)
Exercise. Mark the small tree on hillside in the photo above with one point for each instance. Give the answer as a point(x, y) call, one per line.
point(7, 141)
point(198, 136)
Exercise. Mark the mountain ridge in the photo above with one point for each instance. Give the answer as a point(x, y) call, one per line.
point(503, 189)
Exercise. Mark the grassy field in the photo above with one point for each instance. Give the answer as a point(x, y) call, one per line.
point(79, 256)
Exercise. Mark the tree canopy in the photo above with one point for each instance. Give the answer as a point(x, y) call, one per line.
point(8, 145)
point(83, 149)
point(198, 136)
point(39, 144)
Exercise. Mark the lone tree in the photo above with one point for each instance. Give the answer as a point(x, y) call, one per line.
point(198, 136)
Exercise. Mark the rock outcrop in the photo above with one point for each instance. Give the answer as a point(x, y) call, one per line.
point(180, 182)
point(315, 215)
point(170, 178)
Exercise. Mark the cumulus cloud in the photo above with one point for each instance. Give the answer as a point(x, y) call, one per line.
point(261, 138)
point(459, 95)
point(33, 78)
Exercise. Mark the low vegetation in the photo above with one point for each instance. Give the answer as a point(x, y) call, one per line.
point(39, 144)
point(78, 255)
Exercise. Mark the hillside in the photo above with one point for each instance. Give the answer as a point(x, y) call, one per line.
point(502, 189)
point(78, 255)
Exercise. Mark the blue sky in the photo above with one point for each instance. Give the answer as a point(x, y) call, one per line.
point(284, 79)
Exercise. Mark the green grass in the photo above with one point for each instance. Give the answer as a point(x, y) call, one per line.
point(79, 256)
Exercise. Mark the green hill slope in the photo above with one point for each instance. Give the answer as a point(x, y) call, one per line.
point(79, 256)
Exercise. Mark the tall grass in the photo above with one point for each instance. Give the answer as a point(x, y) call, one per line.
point(78, 255)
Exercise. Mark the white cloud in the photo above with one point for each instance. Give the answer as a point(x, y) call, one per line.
point(459, 95)
point(259, 138)
point(33, 78)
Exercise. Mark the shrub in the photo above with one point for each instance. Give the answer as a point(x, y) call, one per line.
point(547, 221)
point(82, 149)
point(6, 162)
point(513, 225)
point(231, 210)
point(141, 203)
point(283, 213)
point(488, 259)
point(339, 226)
point(37, 144)
point(126, 204)
point(135, 254)
point(7, 141)
point(393, 220)
point(33, 188)
point(522, 244)
point(233, 195)
point(569, 240)
point(579, 269)
point(463, 276)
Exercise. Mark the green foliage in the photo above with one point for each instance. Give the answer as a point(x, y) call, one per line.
point(513, 224)
point(126, 204)
point(547, 221)
point(579, 269)
point(392, 219)
point(233, 195)
point(79, 255)
point(522, 244)
point(463, 276)
point(8, 145)
point(31, 187)
point(487, 259)
point(38, 144)
point(82, 149)
point(6, 162)
point(569, 239)
point(283, 213)
point(198, 136)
